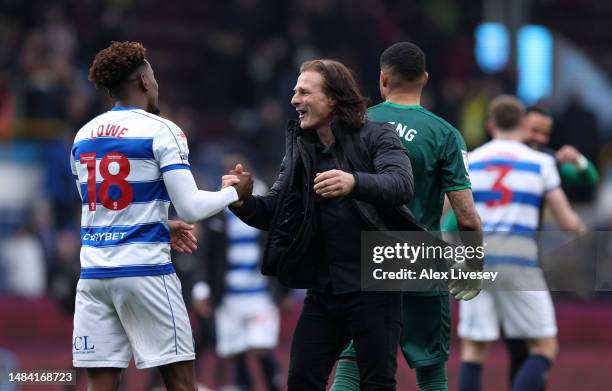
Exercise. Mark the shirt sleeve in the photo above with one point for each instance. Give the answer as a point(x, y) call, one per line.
point(550, 175)
point(572, 175)
point(170, 148)
point(191, 203)
point(455, 164)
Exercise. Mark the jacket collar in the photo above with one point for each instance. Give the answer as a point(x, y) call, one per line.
point(293, 126)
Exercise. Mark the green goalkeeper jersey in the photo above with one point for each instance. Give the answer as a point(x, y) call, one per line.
point(437, 152)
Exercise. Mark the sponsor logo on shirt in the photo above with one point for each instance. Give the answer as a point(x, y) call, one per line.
point(96, 237)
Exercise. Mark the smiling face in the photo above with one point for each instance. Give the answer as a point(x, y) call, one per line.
point(539, 128)
point(314, 107)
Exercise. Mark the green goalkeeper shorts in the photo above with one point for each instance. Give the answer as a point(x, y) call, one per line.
point(425, 338)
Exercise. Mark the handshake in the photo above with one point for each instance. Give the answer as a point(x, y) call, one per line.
point(242, 182)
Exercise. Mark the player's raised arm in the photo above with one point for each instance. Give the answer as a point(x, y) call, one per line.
point(567, 218)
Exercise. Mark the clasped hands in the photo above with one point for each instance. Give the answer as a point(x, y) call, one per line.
point(242, 182)
point(328, 184)
point(182, 238)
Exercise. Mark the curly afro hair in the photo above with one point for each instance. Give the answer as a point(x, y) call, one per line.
point(116, 63)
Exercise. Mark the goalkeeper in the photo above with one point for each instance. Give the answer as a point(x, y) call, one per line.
point(439, 162)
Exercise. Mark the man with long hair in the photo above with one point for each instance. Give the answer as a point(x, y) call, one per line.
point(341, 175)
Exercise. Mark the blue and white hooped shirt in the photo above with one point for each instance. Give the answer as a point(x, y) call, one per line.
point(118, 159)
point(509, 182)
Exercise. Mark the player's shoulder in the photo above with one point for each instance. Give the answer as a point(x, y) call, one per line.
point(417, 116)
point(435, 120)
point(415, 112)
point(514, 148)
point(484, 150)
point(529, 153)
point(376, 108)
point(164, 130)
point(442, 130)
point(539, 156)
point(162, 124)
point(86, 130)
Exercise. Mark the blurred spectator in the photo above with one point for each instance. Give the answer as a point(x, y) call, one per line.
point(24, 264)
point(247, 320)
point(7, 104)
point(64, 274)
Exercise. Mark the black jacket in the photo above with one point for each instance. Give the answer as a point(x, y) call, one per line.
point(383, 185)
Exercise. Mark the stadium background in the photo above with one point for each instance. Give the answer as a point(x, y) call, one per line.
point(226, 72)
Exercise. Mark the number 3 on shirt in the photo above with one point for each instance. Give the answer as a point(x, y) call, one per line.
point(506, 193)
point(109, 179)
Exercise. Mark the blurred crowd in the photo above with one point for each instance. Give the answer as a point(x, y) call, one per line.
point(226, 72)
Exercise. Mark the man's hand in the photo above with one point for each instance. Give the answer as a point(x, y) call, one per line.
point(568, 154)
point(334, 183)
point(464, 289)
point(182, 239)
point(244, 187)
point(229, 180)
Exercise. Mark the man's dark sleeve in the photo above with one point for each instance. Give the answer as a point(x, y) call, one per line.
point(257, 211)
point(392, 184)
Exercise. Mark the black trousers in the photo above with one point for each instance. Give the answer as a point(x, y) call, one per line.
point(326, 325)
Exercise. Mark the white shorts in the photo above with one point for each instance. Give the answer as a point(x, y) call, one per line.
point(522, 314)
point(246, 322)
point(115, 317)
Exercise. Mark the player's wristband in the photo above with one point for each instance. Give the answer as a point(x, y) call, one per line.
point(582, 163)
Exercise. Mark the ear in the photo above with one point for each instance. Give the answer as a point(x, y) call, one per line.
point(384, 79)
point(143, 82)
point(425, 79)
point(490, 128)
